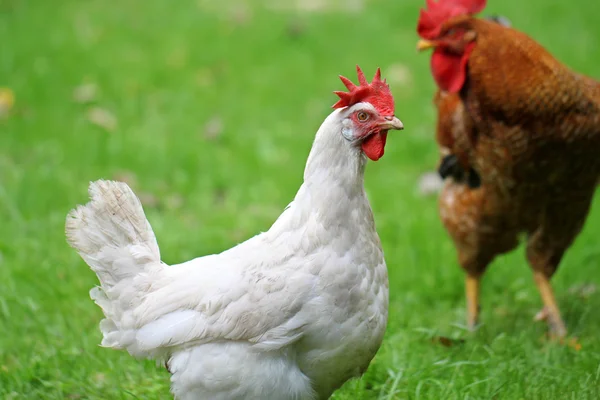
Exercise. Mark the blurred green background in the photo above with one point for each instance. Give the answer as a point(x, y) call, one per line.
point(208, 110)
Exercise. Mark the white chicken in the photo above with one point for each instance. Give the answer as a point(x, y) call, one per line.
point(292, 313)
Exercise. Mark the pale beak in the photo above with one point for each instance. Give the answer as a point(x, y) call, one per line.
point(425, 44)
point(391, 123)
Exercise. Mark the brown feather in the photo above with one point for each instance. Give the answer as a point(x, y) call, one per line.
point(530, 127)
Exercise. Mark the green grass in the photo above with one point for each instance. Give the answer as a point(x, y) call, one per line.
point(165, 70)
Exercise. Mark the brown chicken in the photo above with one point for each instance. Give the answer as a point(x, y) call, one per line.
point(520, 140)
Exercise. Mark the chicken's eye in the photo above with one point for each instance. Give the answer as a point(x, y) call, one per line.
point(362, 116)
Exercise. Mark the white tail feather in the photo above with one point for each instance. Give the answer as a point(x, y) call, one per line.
point(113, 236)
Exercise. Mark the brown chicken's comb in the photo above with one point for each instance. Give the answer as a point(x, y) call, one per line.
point(377, 93)
point(436, 13)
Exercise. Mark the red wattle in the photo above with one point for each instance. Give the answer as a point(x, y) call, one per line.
point(450, 70)
point(374, 145)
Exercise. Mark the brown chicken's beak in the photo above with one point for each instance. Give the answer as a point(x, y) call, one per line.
point(425, 44)
point(391, 123)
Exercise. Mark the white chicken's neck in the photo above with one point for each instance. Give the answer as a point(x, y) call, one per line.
point(333, 193)
point(333, 163)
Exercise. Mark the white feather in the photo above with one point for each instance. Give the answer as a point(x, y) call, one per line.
point(291, 313)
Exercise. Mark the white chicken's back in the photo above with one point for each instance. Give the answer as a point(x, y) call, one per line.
point(292, 313)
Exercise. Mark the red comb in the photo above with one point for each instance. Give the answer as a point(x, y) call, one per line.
point(376, 93)
point(436, 13)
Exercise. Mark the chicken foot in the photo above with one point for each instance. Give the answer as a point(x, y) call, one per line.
point(541, 315)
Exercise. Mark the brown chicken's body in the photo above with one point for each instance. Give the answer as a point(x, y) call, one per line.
point(530, 128)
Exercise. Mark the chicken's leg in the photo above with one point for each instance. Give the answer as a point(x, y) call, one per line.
point(550, 311)
point(472, 283)
point(474, 264)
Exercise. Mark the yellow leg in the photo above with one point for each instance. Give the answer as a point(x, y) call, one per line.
point(550, 311)
point(472, 292)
